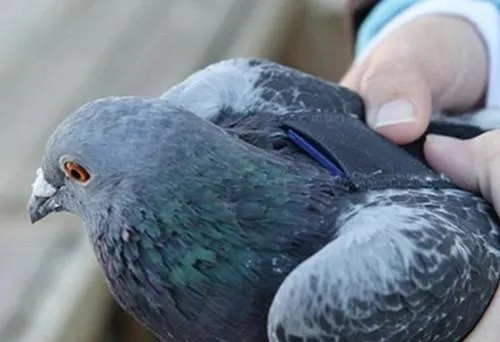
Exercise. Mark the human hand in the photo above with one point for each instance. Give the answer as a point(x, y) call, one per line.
point(413, 73)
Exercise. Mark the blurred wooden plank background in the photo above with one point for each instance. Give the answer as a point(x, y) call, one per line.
point(57, 55)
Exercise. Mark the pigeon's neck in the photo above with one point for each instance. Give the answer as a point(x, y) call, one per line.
point(240, 195)
point(238, 216)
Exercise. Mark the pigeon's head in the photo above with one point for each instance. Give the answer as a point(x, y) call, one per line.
point(110, 151)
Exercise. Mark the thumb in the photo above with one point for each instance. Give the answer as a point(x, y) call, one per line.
point(403, 78)
point(471, 164)
point(397, 98)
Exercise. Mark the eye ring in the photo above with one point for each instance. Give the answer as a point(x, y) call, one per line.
point(76, 172)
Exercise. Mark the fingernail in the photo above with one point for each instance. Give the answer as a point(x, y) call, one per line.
point(394, 113)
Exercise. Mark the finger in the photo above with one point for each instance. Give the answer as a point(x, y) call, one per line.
point(401, 80)
point(473, 164)
point(397, 98)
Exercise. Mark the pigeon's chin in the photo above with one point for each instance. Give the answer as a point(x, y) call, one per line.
point(41, 206)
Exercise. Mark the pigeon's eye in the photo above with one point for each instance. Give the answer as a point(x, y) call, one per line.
point(76, 172)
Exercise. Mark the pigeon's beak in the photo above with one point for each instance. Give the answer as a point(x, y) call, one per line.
point(42, 201)
point(39, 207)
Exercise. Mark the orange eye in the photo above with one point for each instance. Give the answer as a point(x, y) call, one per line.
point(76, 172)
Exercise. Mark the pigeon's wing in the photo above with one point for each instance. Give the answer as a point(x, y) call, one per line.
point(414, 265)
point(248, 96)
point(226, 91)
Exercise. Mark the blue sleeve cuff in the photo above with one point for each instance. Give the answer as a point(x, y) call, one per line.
point(383, 13)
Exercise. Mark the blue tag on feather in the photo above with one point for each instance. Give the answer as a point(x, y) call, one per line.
point(314, 153)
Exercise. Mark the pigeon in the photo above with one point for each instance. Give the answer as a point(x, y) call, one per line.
point(251, 203)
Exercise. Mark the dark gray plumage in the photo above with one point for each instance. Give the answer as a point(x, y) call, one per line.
point(204, 215)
